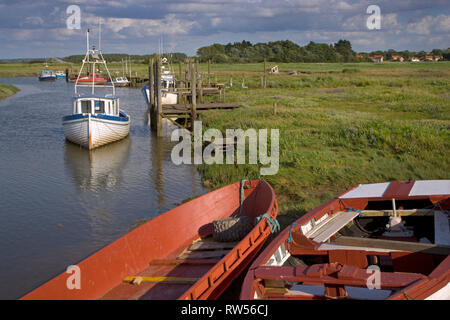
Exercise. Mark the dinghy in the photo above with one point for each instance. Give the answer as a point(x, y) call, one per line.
point(96, 119)
point(375, 241)
point(174, 256)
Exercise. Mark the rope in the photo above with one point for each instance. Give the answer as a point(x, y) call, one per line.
point(290, 231)
point(272, 222)
point(407, 295)
point(350, 209)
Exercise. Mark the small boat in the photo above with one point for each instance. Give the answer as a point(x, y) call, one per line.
point(173, 256)
point(96, 119)
point(374, 242)
point(121, 82)
point(47, 75)
point(96, 78)
point(60, 74)
point(169, 93)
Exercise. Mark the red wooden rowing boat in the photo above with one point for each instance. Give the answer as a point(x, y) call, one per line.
point(172, 256)
point(374, 241)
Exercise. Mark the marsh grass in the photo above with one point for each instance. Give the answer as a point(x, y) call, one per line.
point(379, 123)
point(7, 90)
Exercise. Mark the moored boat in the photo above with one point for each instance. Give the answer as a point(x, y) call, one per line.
point(173, 256)
point(121, 82)
point(47, 75)
point(96, 119)
point(375, 241)
point(60, 74)
point(96, 78)
point(169, 93)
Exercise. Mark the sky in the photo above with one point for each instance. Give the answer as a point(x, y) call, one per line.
point(38, 29)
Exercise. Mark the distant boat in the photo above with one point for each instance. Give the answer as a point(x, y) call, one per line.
point(60, 74)
point(121, 82)
point(96, 120)
point(47, 75)
point(93, 78)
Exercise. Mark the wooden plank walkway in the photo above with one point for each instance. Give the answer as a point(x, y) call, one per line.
point(182, 109)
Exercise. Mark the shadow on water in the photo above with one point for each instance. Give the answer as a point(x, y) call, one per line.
point(100, 169)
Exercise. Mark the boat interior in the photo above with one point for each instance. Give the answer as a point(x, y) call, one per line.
point(333, 254)
point(196, 269)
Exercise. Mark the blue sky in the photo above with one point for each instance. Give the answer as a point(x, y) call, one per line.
point(31, 29)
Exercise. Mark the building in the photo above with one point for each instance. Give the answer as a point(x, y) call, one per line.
point(397, 58)
point(414, 59)
point(377, 58)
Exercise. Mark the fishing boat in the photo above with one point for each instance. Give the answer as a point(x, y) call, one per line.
point(374, 242)
point(169, 93)
point(96, 119)
point(60, 74)
point(47, 75)
point(174, 256)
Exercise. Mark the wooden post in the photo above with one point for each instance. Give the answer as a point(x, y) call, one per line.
point(151, 83)
point(265, 79)
point(275, 105)
point(209, 73)
point(194, 96)
point(67, 74)
point(159, 98)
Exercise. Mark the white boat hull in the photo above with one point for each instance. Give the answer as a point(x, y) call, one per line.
point(92, 131)
point(166, 97)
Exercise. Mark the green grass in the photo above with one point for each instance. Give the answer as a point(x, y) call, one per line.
point(7, 90)
point(340, 125)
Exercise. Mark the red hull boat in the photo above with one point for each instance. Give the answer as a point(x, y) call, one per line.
point(173, 256)
point(375, 241)
point(95, 78)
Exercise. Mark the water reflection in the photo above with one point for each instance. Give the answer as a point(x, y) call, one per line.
point(100, 169)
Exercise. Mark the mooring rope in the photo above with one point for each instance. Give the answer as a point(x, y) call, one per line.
point(272, 222)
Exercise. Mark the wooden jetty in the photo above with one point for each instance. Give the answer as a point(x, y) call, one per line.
point(190, 89)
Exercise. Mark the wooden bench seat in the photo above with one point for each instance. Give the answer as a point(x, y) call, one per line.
point(329, 227)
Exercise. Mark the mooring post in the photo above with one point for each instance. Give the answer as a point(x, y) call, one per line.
point(275, 105)
point(159, 98)
point(193, 95)
point(209, 73)
point(265, 79)
point(67, 74)
point(198, 77)
point(150, 85)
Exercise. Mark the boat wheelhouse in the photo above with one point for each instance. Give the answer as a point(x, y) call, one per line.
point(96, 119)
point(47, 75)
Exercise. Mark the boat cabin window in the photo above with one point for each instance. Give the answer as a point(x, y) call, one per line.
point(99, 106)
point(85, 106)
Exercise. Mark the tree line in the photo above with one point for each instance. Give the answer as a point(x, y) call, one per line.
point(288, 51)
